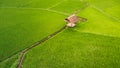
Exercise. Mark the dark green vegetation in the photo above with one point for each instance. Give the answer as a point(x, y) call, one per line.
point(73, 49)
point(93, 44)
point(10, 62)
point(26, 30)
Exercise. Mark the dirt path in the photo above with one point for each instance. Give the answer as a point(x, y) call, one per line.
point(36, 44)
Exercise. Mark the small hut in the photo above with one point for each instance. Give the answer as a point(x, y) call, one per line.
point(72, 20)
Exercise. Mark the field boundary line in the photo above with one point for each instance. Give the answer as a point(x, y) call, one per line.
point(96, 33)
point(36, 44)
point(83, 8)
point(106, 14)
point(56, 4)
point(9, 58)
point(100, 10)
point(59, 12)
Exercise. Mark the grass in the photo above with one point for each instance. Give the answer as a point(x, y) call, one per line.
point(10, 62)
point(98, 23)
point(93, 44)
point(28, 3)
point(72, 5)
point(23, 27)
point(73, 49)
point(108, 6)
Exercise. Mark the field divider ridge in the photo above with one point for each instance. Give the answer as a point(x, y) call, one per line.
point(23, 53)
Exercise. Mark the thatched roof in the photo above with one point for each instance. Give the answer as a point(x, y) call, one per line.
point(72, 19)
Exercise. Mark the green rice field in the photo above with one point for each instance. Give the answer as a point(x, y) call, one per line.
point(31, 34)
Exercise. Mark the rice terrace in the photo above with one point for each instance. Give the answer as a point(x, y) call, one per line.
point(59, 33)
